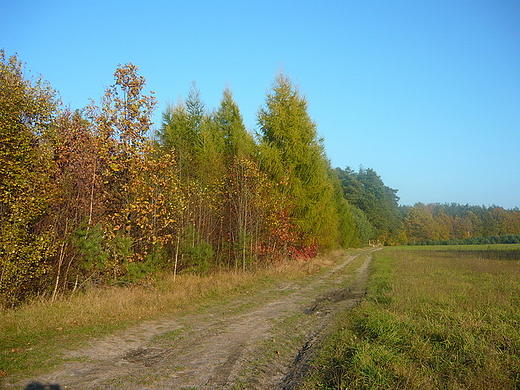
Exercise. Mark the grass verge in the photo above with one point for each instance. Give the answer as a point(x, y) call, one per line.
point(432, 320)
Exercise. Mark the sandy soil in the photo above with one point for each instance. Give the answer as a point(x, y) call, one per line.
point(261, 341)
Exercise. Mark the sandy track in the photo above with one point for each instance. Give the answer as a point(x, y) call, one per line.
point(263, 341)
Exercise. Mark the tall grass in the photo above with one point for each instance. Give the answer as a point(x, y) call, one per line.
point(33, 336)
point(431, 320)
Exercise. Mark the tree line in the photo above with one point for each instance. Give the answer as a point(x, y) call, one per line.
point(89, 196)
point(460, 224)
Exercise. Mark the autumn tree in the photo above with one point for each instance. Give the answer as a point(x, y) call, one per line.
point(459, 223)
point(78, 183)
point(419, 223)
point(27, 111)
point(121, 123)
point(156, 205)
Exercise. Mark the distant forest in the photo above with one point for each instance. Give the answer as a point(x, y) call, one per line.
point(90, 196)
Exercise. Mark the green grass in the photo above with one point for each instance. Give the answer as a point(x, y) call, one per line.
point(433, 319)
point(494, 247)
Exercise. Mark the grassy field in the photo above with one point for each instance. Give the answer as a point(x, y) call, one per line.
point(32, 337)
point(496, 249)
point(434, 318)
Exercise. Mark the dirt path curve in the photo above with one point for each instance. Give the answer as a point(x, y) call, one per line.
point(263, 341)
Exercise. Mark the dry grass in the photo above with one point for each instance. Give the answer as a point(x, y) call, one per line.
point(35, 331)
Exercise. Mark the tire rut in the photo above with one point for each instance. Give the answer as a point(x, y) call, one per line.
point(221, 349)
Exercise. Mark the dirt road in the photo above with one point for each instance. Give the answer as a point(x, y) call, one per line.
point(261, 341)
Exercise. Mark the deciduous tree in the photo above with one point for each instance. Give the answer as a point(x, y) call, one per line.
point(27, 111)
point(121, 122)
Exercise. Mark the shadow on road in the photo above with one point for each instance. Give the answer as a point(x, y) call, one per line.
point(41, 386)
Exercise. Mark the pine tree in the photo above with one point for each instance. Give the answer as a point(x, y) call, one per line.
point(365, 190)
point(241, 213)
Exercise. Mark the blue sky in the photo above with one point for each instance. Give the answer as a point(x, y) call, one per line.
point(427, 93)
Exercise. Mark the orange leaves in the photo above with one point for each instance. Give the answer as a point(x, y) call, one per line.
point(122, 122)
point(154, 201)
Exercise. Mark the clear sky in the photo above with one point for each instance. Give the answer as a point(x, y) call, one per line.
point(427, 93)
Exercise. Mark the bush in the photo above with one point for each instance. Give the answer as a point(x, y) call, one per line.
point(103, 256)
point(195, 251)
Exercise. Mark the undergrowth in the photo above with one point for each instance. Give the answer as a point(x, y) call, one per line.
point(431, 320)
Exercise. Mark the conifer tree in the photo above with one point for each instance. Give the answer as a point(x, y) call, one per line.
point(237, 140)
point(191, 135)
point(348, 230)
point(293, 154)
point(365, 190)
point(241, 213)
